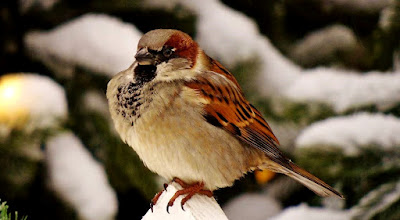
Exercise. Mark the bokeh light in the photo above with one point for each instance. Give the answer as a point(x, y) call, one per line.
point(11, 112)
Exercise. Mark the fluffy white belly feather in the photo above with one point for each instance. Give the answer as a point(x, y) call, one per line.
point(179, 144)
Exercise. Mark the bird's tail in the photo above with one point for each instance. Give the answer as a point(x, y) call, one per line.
point(310, 181)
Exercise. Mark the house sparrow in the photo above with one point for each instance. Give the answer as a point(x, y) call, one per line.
point(187, 118)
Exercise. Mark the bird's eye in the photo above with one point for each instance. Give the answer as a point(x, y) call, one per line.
point(167, 52)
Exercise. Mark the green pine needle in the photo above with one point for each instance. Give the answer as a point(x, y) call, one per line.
point(4, 215)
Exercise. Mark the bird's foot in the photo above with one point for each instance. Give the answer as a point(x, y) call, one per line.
point(189, 190)
point(157, 196)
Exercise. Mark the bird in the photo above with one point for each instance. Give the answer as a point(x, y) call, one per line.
point(188, 120)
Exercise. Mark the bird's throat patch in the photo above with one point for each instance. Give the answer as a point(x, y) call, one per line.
point(144, 74)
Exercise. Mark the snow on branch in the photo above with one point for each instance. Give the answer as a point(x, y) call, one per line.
point(79, 179)
point(352, 132)
point(98, 42)
point(344, 90)
point(199, 207)
point(304, 211)
point(307, 51)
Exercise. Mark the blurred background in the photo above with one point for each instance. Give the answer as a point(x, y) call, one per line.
point(324, 73)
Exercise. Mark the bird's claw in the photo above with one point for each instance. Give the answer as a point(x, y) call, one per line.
point(169, 205)
point(156, 197)
point(165, 187)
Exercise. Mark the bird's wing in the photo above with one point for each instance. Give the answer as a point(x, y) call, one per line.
point(227, 108)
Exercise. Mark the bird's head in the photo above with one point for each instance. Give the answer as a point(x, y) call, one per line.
point(166, 52)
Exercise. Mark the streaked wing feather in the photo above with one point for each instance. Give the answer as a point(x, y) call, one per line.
point(227, 108)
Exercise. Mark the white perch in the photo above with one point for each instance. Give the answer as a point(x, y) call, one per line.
point(199, 207)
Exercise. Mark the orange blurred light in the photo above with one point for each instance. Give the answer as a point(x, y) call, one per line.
point(11, 110)
point(264, 176)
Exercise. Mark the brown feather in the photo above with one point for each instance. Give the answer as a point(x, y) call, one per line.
point(184, 45)
point(235, 114)
point(312, 182)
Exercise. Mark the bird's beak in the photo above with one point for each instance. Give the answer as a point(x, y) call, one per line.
point(144, 57)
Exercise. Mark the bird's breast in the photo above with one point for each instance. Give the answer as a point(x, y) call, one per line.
point(129, 99)
point(134, 103)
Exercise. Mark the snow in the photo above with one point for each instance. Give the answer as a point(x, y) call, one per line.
point(352, 132)
point(346, 90)
point(377, 201)
point(79, 179)
point(98, 42)
point(31, 100)
point(335, 39)
point(304, 212)
point(199, 207)
point(251, 206)
point(277, 72)
point(213, 17)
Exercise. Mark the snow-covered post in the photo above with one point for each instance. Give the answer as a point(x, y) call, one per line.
point(199, 207)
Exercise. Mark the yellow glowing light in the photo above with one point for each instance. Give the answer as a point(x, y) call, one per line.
point(10, 87)
point(12, 111)
point(7, 91)
point(264, 176)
